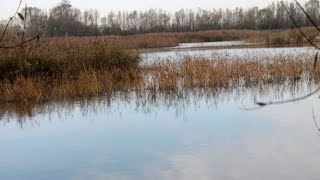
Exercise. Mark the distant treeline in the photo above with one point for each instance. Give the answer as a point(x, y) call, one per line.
point(64, 19)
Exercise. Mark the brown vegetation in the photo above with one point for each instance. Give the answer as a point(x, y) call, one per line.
point(167, 77)
point(92, 83)
point(215, 73)
point(69, 67)
point(161, 40)
point(281, 37)
point(155, 40)
point(60, 69)
point(56, 59)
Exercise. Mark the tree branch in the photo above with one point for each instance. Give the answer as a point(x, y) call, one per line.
point(307, 15)
point(298, 27)
point(7, 25)
point(263, 104)
point(289, 100)
point(37, 37)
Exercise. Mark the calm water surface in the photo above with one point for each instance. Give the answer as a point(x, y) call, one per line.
point(211, 44)
point(233, 53)
point(201, 135)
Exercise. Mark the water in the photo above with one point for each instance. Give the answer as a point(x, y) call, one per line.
point(211, 44)
point(233, 53)
point(199, 134)
point(202, 135)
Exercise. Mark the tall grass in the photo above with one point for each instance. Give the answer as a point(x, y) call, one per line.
point(91, 83)
point(58, 68)
point(63, 59)
point(160, 40)
point(216, 73)
point(165, 76)
point(156, 40)
point(280, 37)
point(61, 69)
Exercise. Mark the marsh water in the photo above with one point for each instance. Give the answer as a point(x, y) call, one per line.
point(231, 50)
point(199, 134)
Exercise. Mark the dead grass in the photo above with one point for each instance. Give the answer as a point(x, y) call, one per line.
point(171, 39)
point(226, 73)
point(93, 83)
point(166, 76)
point(155, 40)
point(281, 37)
point(69, 67)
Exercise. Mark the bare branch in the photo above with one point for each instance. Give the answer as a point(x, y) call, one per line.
point(315, 120)
point(23, 41)
point(24, 24)
point(307, 15)
point(7, 25)
point(315, 61)
point(262, 104)
point(37, 37)
point(298, 27)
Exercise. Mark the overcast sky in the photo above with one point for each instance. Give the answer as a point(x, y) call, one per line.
point(8, 6)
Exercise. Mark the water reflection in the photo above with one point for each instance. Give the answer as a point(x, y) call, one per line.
point(189, 134)
point(152, 101)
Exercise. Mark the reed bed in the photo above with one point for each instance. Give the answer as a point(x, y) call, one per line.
point(92, 83)
point(68, 69)
point(154, 40)
point(225, 73)
point(66, 58)
point(281, 37)
point(167, 83)
point(171, 39)
point(164, 77)
point(59, 68)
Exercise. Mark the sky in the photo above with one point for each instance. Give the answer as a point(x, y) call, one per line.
point(8, 7)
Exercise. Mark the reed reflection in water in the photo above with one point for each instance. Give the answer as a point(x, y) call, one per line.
point(197, 133)
point(150, 101)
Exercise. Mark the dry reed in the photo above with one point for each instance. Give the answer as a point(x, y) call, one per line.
point(58, 68)
point(225, 73)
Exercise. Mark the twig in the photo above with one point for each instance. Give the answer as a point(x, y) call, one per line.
point(22, 43)
point(297, 26)
point(24, 24)
point(315, 61)
point(307, 15)
point(314, 119)
point(7, 25)
point(251, 109)
point(261, 104)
